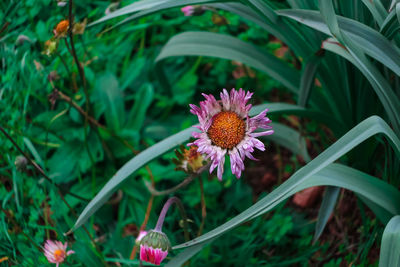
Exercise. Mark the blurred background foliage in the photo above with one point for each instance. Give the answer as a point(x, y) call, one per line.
point(130, 110)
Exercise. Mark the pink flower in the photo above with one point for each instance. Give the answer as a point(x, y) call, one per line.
point(188, 10)
point(194, 10)
point(152, 255)
point(56, 252)
point(227, 129)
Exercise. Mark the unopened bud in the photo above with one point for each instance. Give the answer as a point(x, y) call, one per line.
point(154, 247)
point(21, 163)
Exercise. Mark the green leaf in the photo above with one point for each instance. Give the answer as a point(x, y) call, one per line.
point(130, 167)
point(338, 175)
point(150, 5)
point(227, 47)
point(144, 97)
point(321, 171)
point(307, 80)
point(337, 27)
point(264, 9)
point(390, 246)
point(110, 100)
point(377, 10)
point(185, 255)
point(370, 41)
point(325, 210)
point(34, 152)
point(390, 25)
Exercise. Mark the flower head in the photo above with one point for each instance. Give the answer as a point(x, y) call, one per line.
point(56, 251)
point(154, 247)
point(61, 28)
point(225, 128)
point(189, 160)
point(193, 10)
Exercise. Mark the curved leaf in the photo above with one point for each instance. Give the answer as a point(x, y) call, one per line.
point(317, 173)
point(390, 247)
point(390, 25)
point(377, 10)
point(227, 47)
point(369, 40)
point(338, 175)
point(338, 25)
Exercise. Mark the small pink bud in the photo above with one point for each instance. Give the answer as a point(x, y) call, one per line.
point(188, 10)
point(154, 247)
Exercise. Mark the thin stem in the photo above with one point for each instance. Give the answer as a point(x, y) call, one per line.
point(143, 226)
point(171, 190)
point(203, 208)
point(73, 52)
point(164, 211)
point(83, 79)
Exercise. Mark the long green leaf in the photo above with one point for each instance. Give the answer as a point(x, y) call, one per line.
point(264, 9)
point(375, 190)
point(335, 25)
point(163, 5)
point(325, 211)
point(307, 80)
point(227, 47)
point(377, 10)
point(134, 7)
point(390, 247)
point(369, 40)
point(317, 173)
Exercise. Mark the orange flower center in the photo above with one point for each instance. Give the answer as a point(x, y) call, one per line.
point(226, 130)
point(62, 27)
point(59, 254)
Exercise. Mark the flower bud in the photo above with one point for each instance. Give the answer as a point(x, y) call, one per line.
point(61, 28)
point(193, 10)
point(21, 163)
point(154, 247)
point(189, 160)
point(50, 46)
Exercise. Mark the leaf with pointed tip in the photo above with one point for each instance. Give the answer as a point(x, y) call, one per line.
point(390, 246)
point(321, 171)
point(370, 41)
point(325, 210)
point(377, 191)
point(307, 80)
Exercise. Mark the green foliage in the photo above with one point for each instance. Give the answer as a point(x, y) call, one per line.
point(143, 64)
